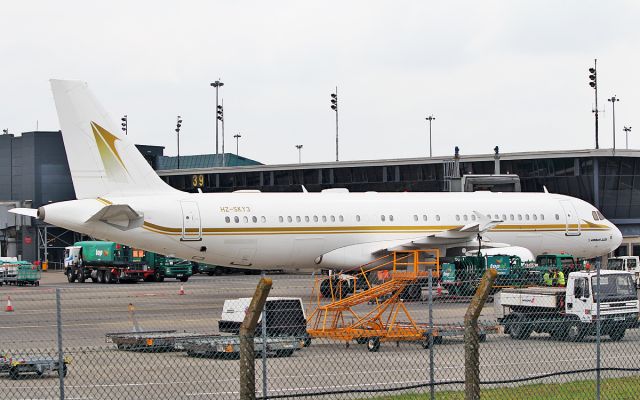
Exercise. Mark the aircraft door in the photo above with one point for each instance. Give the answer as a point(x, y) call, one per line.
point(572, 222)
point(191, 226)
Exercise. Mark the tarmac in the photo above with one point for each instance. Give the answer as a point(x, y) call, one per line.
point(100, 371)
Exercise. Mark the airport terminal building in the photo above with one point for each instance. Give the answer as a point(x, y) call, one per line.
point(34, 171)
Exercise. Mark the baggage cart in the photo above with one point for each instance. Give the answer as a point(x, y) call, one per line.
point(17, 366)
point(22, 273)
point(149, 341)
point(228, 347)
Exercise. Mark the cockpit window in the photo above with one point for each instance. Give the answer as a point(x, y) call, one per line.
point(596, 217)
point(600, 215)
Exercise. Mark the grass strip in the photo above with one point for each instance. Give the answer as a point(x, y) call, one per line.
point(611, 389)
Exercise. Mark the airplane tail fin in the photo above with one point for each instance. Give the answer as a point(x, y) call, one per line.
point(101, 160)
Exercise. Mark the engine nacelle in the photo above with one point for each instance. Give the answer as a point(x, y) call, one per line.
point(355, 255)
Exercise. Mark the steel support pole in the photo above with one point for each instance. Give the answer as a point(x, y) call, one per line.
point(613, 103)
point(216, 116)
point(265, 388)
point(61, 365)
point(430, 146)
point(222, 132)
point(598, 329)
point(595, 67)
point(46, 250)
point(432, 389)
point(337, 124)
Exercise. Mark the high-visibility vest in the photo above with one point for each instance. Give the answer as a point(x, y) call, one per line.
point(547, 279)
point(561, 281)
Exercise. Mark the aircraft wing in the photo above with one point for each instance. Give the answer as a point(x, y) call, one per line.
point(360, 253)
point(120, 216)
point(458, 235)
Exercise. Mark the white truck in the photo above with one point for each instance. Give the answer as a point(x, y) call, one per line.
point(569, 313)
point(285, 317)
point(626, 263)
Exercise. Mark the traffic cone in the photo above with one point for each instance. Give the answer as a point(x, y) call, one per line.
point(9, 306)
point(439, 289)
point(181, 291)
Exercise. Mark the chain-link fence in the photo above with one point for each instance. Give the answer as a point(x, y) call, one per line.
point(370, 340)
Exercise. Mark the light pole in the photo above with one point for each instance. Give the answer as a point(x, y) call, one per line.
point(299, 147)
point(627, 130)
point(334, 107)
point(237, 136)
point(178, 125)
point(613, 100)
point(217, 84)
point(593, 82)
point(124, 124)
point(220, 117)
point(430, 118)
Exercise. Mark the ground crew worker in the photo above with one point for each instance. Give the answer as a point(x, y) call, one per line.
point(554, 277)
point(548, 280)
point(560, 279)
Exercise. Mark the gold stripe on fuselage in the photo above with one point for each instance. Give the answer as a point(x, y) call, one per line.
point(367, 229)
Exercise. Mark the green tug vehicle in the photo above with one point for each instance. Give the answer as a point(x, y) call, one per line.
point(110, 262)
point(462, 275)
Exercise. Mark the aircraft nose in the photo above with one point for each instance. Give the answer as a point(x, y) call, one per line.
point(616, 237)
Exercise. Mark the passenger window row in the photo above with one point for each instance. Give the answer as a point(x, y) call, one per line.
point(390, 218)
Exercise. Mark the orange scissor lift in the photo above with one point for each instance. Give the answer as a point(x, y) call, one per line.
point(389, 319)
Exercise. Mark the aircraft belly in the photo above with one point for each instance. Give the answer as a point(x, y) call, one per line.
point(305, 250)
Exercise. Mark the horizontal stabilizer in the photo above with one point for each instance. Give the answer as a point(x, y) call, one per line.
point(120, 216)
point(29, 212)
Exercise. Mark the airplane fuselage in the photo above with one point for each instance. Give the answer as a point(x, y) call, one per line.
point(292, 230)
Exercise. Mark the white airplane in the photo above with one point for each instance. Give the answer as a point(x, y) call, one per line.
point(122, 199)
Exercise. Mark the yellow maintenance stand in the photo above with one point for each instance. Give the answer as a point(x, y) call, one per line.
point(389, 319)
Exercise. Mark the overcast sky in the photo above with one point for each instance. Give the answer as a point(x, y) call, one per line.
point(507, 73)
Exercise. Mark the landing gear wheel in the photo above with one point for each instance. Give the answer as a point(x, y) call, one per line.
point(557, 334)
point(326, 286)
point(617, 335)
point(373, 344)
point(574, 332)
